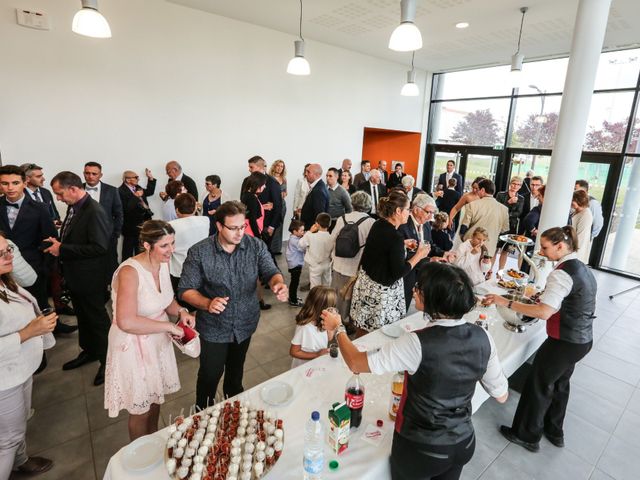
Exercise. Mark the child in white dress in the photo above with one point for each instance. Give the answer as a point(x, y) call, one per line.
point(470, 256)
point(310, 340)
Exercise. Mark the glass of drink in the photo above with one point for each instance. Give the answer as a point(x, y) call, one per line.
point(333, 311)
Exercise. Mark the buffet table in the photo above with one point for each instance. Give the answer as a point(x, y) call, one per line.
point(321, 382)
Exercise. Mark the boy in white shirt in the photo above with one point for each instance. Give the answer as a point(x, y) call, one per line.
point(318, 243)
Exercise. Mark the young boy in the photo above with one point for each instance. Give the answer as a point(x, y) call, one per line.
point(319, 245)
point(295, 260)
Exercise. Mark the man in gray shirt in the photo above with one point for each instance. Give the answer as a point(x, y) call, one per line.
point(219, 278)
point(339, 199)
point(594, 206)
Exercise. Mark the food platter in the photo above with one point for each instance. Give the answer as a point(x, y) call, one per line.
point(514, 239)
point(224, 442)
point(512, 276)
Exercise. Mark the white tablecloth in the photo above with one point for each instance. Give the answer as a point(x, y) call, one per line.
point(320, 383)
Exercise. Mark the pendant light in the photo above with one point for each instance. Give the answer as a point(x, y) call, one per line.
point(88, 21)
point(299, 65)
point(517, 58)
point(410, 89)
point(406, 36)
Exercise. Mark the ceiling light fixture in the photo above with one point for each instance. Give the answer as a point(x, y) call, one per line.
point(462, 25)
point(517, 58)
point(88, 21)
point(406, 36)
point(410, 89)
point(299, 65)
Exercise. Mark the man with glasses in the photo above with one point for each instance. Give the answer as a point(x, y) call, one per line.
point(35, 189)
point(514, 203)
point(135, 209)
point(174, 172)
point(219, 278)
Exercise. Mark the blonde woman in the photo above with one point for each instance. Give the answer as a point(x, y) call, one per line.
point(278, 171)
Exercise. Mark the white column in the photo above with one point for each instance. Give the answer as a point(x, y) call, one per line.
point(586, 45)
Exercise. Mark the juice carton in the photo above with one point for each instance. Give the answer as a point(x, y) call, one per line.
point(339, 425)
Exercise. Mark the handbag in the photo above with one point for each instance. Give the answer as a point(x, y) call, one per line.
point(189, 344)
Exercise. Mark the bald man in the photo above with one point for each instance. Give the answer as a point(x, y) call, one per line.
point(135, 209)
point(317, 200)
point(174, 172)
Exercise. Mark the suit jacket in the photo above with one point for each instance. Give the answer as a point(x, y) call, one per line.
point(448, 200)
point(190, 185)
point(32, 226)
point(525, 189)
point(84, 248)
point(47, 199)
point(442, 180)
point(368, 187)
point(272, 193)
point(394, 180)
point(112, 205)
point(489, 214)
point(408, 231)
point(317, 201)
point(359, 179)
point(134, 213)
point(385, 176)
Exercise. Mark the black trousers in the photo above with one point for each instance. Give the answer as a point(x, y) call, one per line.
point(93, 322)
point(417, 461)
point(216, 359)
point(409, 283)
point(39, 290)
point(295, 282)
point(545, 395)
point(129, 246)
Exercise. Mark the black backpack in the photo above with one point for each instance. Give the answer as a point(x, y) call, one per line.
point(348, 241)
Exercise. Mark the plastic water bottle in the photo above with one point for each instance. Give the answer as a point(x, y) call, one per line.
point(313, 459)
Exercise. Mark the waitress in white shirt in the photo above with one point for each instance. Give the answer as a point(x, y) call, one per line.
point(434, 436)
point(24, 333)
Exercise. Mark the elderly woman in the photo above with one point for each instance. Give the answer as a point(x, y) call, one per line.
point(346, 268)
point(378, 293)
point(582, 221)
point(568, 305)
point(24, 334)
point(433, 435)
point(515, 203)
point(214, 198)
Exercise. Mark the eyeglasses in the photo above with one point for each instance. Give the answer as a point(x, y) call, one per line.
point(131, 178)
point(235, 229)
point(8, 251)
point(428, 212)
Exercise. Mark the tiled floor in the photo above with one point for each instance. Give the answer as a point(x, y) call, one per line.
point(71, 426)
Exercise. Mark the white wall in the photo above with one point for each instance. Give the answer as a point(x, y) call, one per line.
point(176, 83)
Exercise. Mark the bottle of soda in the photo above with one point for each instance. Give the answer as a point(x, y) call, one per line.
point(354, 396)
point(397, 386)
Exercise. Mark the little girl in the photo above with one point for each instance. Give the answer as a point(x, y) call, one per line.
point(471, 255)
point(310, 340)
point(440, 234)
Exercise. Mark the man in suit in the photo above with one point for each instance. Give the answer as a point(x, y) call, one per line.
point(346, 167)
point(409, 186)
point(363, 176)
point(525, 189)
point(446, 199)
point(317, 200)
point(37, 191)
point(487, 213)
point(451, 173)
point(395, 179)
point(135, 209)
point(374, 188)
point(109, 199)
point(382, 168)
point(174, 172)
point(27, 223)
point(530, 199)
point(83, 252)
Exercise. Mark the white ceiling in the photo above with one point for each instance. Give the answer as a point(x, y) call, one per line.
point(365, 26)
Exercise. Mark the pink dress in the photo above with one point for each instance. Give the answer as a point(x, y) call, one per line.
point(141, 369)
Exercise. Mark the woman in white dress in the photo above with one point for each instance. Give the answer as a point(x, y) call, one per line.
point(582, 221)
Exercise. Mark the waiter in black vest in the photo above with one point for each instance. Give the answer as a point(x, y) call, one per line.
point(568, 305)
point(434, 435)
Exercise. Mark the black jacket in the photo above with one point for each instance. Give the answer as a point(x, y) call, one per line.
point(134, 213)
point(317, 201)
point(448, 200)
point(189, 184)
point(394, 181)
point(254, 212)
point(408, 231)
point(367, 187)
point(112, 205)
point(442, 180)
point(47, 199)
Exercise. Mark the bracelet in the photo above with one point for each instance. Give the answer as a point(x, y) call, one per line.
point(182, 309)
point(509, 304)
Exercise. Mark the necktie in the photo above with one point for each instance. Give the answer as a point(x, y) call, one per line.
point(374, 191)
point(14, 205)
point(67, 221)
point(37, 196)
point(93, 189)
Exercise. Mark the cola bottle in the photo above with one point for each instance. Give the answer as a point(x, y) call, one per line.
point(354, 396)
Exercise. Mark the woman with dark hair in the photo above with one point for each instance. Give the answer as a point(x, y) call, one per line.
point(434, 435)
point(346, 182)
point(378, 292)
point(141, 366)
point(568, 305)
point(24, 334)
point(173, 189)
point(582, 221)
point(254, 185)
point(215, 197)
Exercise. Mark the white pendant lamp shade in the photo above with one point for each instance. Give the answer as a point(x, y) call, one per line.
point(410, 88)
point(406, 37)
point(89, 22)
point(516, 69)
point(299, 65)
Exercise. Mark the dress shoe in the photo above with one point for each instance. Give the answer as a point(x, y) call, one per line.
point(297, 303)
point(79, 361)
point(264, 306)
point(35, 466)
point(508, 433)
point(65, 310)
point(557, 441)
point(64, 329)
point(99, 379)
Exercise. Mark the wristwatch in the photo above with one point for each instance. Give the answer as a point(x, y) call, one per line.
point(340, 330)
point(182, 309)
point(509, 304)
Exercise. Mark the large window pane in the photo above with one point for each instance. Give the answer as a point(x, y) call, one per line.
point(546, 76)
point(477, 122)
point(483, 82)
point(608, 120)
point(479, 166)
point(441, 165)
point(624, 232)
point(618, 69)
point(535, 122)
point(521, 164)
point(633, 146)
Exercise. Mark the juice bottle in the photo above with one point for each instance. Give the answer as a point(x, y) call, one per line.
point(397, 386)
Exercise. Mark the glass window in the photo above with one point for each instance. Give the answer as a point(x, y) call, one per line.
point(535, 123)
point(596, 174)
point(624, 230)
point(618, 69)
point(441, 165)
point(546, 76)
point(479, 166)
point(608, 120)
point(481, 82)
point(633, 146)
point(521, 164)
point(474, 122)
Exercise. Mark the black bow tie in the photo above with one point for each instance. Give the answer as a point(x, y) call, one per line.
point(14, 205)
point(95, 189)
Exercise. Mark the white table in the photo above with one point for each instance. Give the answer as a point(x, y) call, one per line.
point(326, 386)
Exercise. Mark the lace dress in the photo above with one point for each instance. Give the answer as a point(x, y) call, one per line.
point(141, 369)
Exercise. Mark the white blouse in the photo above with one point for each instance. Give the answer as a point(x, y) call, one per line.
point(18, 360)
point(469, 262)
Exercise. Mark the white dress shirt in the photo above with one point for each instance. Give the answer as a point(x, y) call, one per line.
point(558, 286)
point(94, 192)
point(189, 231)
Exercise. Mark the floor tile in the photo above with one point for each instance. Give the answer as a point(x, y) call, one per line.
point(628, 428)
point(65, 349)
point(106, 442)
point(503, 469)
point(98, 416)
point(483, 457)
point(601, 384)
point(177, 406)
point(619, 349)
point(600, 475)
point(278, 366)
point(620, 460)
point(54, 425)
point(594, 409)
point(549, 462)
point(625, 371)
point(268, 347)
point(583, 438)
point(254, 377)
point(56, 386)
point(634, 402)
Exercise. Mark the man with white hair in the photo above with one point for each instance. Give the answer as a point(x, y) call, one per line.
point(408, 183)
point(174, 172)
point(375, 189)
